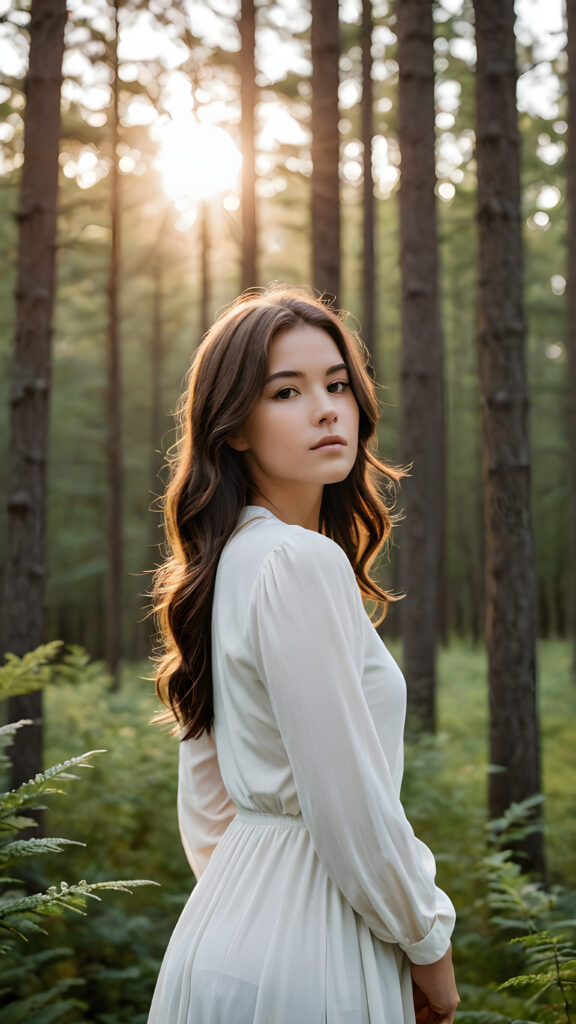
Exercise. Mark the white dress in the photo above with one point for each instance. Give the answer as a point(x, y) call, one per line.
point(313, 891)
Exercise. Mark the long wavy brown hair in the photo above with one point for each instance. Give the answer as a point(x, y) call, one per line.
point(209, 486)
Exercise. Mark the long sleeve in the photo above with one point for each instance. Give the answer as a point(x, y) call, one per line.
point(307, 632)
point(204, 808)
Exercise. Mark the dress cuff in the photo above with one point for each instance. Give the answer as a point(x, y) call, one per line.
point(436, 943)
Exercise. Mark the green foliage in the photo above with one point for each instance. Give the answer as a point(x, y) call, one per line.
point(29, 793)
point(518, 821)
point(23, 913)
point(31, 672)
point(107, 963)
point(517, 901)
point(53, 1003)
point(547, 937)
point(54, 662)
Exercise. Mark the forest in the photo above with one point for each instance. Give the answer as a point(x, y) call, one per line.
point(411, 161)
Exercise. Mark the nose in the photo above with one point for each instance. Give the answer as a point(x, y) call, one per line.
point(325, 409)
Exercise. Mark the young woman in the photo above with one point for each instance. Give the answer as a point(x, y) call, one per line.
point(315, 902)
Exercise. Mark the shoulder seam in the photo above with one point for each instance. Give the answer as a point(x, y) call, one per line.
point(300, 532)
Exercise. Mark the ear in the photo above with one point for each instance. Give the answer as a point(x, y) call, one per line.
point(237, 442)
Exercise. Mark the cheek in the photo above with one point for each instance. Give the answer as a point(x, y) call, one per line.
point(354, 412)
point(355, 423)
point(267, 430)
point(255, 426)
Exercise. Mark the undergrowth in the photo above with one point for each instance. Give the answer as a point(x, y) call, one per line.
point(514, 936)
point(23, 914)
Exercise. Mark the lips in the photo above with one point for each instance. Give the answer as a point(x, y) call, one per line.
point(330, 439)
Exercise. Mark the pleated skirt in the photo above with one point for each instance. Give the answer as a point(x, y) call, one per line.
point(267, 938)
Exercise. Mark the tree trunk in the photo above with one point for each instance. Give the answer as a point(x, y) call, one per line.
point(368, 262)
point(421, 359)
point(325, 40)
point(509, 566)
point(203, 211)
point(571, 332)
point(248, 104)
point(115, 475)
point(25, 567)
point(156, 362)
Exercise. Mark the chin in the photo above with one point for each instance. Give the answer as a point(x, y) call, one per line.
point(337, 477)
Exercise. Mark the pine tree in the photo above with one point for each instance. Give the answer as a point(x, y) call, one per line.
point(248, 103)
point(114, 391)
point(25, 565)
point(509, 566)
point(422, 392)
point(571, 332)
point(368, 261)
point(325, 39)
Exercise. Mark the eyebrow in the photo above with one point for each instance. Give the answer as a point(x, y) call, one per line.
point(299, 374)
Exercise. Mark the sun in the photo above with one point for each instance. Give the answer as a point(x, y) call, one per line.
point(197, 161)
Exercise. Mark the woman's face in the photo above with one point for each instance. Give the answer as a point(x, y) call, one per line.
point(303, 433)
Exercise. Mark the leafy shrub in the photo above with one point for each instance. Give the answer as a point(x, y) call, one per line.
point(510, 927)
point(128, 816)
point(21, 913)
point(547, 936)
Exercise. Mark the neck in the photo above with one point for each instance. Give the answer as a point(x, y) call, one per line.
point(296, 509)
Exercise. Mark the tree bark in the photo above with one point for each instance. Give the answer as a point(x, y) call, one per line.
point(25, 566)
point(571, 332)
point(115, 472)
point(421, 359)
point(368, 262)
point(509, 567)
point(248, 105)
point(325, 40)
point(204, 226)
point(156, 366)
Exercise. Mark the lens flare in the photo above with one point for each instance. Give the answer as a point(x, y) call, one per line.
point(197, 161)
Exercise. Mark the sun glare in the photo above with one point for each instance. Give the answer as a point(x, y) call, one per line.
point(197, 161)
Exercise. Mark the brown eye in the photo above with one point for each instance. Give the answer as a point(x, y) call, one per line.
point(337, 387)
point(285, 393)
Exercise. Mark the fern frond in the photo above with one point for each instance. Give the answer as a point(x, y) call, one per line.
point(12, 727)
point(72, 896)
point(26, 794)
point(519, 981)
point(19, 849)
point(47, 1007)
point(519, 819)
point(30, 672)
point(15, 822)
point(54, 662)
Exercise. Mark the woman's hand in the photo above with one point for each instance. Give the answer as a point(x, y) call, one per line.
point(435, 994)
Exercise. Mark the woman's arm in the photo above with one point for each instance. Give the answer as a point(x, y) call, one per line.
point(307, 629)
point(435, 995)
point(204, 808)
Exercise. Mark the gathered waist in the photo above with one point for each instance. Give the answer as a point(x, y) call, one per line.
point(263, 818)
